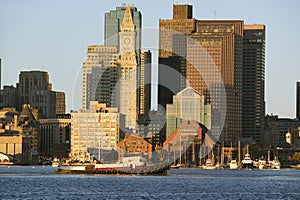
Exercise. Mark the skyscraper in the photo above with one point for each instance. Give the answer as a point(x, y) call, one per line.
point(172, 59)
point(119, 74)
point(253, 109)
point(128, 99)
point(99, 75)
point(145, 82)
point(206, 55)
point(214, 57)
point(113, 21)
point(34, 89)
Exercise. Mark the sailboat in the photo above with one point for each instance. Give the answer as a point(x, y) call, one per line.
point(209, 163)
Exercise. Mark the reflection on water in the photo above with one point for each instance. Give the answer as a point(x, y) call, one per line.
point(41, 182)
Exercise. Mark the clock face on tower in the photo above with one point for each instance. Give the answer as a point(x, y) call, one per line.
point(127, 41)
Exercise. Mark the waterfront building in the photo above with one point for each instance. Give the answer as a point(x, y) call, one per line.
point(188, 104)
point(134, 145)
point(253, 95)
point(35, 89)
point(19, 134)
point(94, 132)
point(189, 143)
point(99, 75)
point(276, 129)
point(13, 144)
point(8, 97)
point(54, 136)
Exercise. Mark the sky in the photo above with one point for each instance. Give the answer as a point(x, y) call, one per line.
point(53, 35)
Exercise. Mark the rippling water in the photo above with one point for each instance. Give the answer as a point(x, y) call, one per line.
point(27, 182)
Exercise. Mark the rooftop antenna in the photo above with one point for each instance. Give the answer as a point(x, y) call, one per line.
point(215, 14)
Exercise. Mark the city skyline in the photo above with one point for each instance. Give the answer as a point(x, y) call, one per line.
point(56, 52)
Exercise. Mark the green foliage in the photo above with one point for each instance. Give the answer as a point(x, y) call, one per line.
point(296, 157)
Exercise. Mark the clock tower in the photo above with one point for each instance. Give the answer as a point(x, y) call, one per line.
point(128, 71)
point(127, 33)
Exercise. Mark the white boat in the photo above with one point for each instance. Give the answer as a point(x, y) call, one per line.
point(247, 162)
point(233, 164)
point(55, 162)
point(209, 165)
point(127, 163)
point(275, 164)
point(262, 163)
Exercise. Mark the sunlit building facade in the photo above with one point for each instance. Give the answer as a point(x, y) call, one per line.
point(188, 104)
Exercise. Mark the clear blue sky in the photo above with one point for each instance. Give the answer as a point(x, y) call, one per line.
point(53, 35)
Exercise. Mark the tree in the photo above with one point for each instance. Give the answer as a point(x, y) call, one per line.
point(296, 157)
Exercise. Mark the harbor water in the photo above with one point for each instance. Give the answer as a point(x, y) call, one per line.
point(38, 182)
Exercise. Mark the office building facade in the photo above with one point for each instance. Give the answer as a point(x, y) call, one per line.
point(94, 130)
point(253, 103)
point(172, 54)
point(187, 105)
point(35, 89)
point(99, 75)
point(113, 21)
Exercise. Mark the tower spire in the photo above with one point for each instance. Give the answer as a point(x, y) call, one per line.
point(127, 23)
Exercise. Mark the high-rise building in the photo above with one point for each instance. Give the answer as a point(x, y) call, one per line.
point(145, 82)
point(208, 55)
point(214, 57)
point(298, 100)
point(99, 75)
point(34, 89)
point(253, 106)
point(119, 74)
point(172, 63)
point(8, 97)
point(113, 21)
point(187, 105)
point(127, 98)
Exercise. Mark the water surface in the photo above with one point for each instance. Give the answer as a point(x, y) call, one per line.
point(27, 182)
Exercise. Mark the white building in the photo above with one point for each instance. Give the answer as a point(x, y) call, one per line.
point(94, 130)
